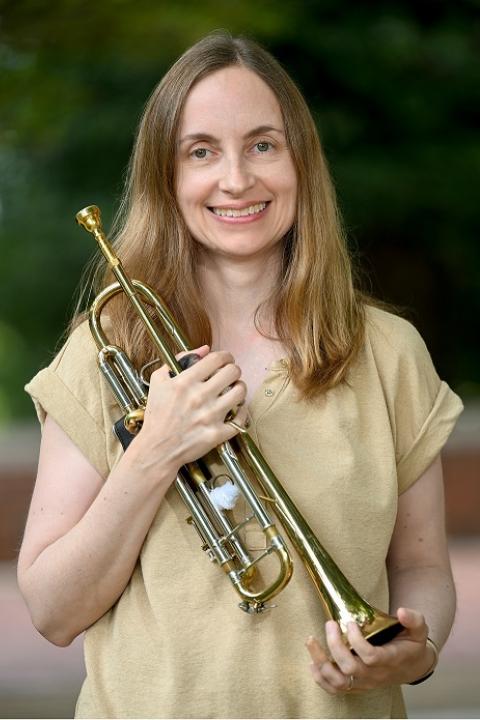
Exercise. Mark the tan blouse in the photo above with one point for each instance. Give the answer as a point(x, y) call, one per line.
point(175, 645)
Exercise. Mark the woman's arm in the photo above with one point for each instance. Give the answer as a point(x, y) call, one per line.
point(83, 536)
point(420, 577)
point(418, 563)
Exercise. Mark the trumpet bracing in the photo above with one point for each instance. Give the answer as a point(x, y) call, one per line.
point(240, 457)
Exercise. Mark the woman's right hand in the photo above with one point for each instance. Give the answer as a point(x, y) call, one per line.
point(185, 415)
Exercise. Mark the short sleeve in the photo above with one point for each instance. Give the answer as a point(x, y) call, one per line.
point(70, 390)
point(422, 408)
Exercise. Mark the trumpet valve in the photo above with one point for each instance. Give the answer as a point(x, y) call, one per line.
point(134, 420)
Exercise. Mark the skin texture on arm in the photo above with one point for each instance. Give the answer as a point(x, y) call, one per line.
point(422, 595)
point(83, 535)
point(418, 556)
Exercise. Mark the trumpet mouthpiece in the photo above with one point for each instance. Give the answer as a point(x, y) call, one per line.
point(89, 218)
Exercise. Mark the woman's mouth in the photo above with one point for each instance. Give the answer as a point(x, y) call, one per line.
point(245, 214)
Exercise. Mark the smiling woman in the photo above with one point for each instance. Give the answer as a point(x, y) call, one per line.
point(230, 215)
point(202, 147)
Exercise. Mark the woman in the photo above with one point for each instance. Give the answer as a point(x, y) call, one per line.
point(230, 215)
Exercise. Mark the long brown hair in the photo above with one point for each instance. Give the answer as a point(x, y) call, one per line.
point(319, 315)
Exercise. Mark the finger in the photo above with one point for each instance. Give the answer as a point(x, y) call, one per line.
point(208, 365)
point(317, 653)
point(324, 672)
point(162, 373)
point(369, 654)
point(242, 416)
point(319, 659)
point(414, 622)
point(238, 417)
point(232, 396)
point(320, 679)
point(232, 428)
point(341, 654)
point(223, 378)
point(332, 674)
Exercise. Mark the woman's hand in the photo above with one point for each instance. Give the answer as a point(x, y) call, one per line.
point(185, 415)
point(402, 660)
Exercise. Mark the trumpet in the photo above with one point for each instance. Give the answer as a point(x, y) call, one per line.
point(241, 458)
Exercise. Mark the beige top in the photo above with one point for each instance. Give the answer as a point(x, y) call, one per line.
point(175, 645)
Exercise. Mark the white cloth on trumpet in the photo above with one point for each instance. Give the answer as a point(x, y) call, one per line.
point(225, 496)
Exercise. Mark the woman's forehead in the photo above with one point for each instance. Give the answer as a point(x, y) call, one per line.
point(231, 99)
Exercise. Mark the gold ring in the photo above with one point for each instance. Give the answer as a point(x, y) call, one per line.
point(351, 680)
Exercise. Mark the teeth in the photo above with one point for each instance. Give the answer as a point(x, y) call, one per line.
point(231, 212)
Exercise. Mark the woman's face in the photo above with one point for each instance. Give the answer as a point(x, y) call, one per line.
point(236, 183)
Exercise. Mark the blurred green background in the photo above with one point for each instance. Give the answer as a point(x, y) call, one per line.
point(394, 88)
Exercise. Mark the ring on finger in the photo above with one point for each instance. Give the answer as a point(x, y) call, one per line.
point(351, 680)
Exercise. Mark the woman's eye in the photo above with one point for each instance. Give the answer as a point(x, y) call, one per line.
point(263, 146)
point(200, 153)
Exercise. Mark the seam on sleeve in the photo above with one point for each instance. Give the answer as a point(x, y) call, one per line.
point(431, 438)
point(53, 397)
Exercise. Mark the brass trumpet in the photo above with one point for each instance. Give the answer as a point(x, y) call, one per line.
point(220, 540)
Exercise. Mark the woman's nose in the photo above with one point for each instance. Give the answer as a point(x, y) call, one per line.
point(236, 176)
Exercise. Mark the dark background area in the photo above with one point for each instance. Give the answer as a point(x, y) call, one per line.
point(394, 88)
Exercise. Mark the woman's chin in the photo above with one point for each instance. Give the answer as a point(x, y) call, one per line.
point(241, 246)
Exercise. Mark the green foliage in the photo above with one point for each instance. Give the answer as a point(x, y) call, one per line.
point(394, 88)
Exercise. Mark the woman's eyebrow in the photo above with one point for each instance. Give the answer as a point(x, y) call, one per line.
point(210, 138)
point(198, 136)
point(262, 129)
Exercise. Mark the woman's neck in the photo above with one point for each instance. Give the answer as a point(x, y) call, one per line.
point(233, 291)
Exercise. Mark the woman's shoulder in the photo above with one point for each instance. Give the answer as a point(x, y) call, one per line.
point(79, 335)
point(384, 324)
point(73, 371)
point(77, 355)
point(391, 335)
point(71, 391)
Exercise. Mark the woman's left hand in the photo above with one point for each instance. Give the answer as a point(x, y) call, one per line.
point(402, 660)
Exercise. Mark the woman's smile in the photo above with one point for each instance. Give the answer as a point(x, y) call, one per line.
point(240, 214)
